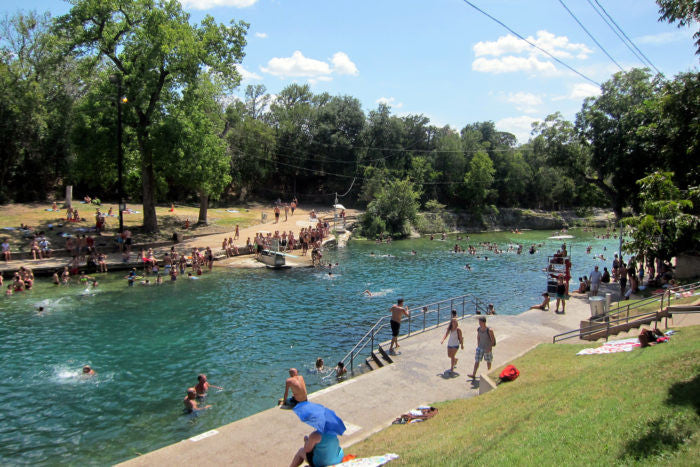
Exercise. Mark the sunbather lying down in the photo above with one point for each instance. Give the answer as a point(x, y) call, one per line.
point(419, 414)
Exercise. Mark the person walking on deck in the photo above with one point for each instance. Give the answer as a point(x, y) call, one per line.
point(485, 340)
point(455, 340)
point(397, 313)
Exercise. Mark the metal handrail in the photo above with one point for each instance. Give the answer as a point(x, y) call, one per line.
point(435, 307)
point(614, 316)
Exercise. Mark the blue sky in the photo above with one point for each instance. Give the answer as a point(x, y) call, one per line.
point(442, 58)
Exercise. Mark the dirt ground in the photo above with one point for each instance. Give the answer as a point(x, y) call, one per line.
point(222, 221)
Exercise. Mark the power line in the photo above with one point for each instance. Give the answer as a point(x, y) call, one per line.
point(531, 43)
point(630, 40)
point(590, 35)
point(619, 36)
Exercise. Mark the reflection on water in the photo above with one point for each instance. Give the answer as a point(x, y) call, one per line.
point(243, 328)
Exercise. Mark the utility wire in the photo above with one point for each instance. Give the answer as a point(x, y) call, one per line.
point(531, 43)
point(619, 36)
point(630, 40)
point(590, 35)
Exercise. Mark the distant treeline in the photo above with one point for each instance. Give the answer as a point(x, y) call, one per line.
point(185, 138)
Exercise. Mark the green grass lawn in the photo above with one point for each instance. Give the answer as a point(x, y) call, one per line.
point(631, 408)
point(36, 216)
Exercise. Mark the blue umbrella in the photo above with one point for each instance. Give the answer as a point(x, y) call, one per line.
point(321, 418)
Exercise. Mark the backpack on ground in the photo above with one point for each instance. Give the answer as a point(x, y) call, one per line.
point(509, 373)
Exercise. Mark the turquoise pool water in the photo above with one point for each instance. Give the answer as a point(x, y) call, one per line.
point(243, 328)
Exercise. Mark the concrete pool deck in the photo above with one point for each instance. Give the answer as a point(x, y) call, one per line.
point(371, 401)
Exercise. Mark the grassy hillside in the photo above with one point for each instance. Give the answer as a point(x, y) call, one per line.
point(640, 407)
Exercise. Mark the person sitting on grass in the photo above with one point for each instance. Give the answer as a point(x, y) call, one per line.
point(544, 305)
point(7, 254)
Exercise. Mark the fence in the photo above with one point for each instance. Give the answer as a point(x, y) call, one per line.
point(420, 319)
point(624, 317)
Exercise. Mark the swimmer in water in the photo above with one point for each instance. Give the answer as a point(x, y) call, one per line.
point(367, 292)
point(87, 371)
point(203, 386)
point(371, 253)
point(467, 267)
point(340, 370)
point(319, 364)
point(413, 252)
point(190, 402)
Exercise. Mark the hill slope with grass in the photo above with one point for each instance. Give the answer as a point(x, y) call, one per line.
point(639, 407)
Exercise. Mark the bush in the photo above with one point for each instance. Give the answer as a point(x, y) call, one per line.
point(434, 206)
point(372, 225)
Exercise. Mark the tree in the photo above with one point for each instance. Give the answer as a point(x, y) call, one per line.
point(394, 208)
point(478, 181)
point(666, 225)
point(194, 128)
point(685, 12)
point(37, 92)
point(157, 51)
point(256, 100)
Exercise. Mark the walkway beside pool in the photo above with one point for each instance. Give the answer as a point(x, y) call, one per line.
point(370, 402)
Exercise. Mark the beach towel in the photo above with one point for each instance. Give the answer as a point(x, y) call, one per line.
point(8, 228)
point(370, 461)
point(232, 210)
point(622, 345)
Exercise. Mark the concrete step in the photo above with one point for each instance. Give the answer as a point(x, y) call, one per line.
point(371, 364)
point(385, 355)
point(377, 359)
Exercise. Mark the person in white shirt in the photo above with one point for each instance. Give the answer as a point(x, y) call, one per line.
point(595, 279)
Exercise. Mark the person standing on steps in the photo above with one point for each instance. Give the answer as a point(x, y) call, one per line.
point(485, 341)
point(454, 341)
point(397, 312)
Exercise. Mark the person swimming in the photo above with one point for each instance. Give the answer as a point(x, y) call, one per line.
point(88, 371)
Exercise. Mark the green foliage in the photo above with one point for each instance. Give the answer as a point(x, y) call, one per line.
point(395, 207)
point(684, 12)
point(666, 225)
point(434, 205)
point(478, 181)
point(156, 51)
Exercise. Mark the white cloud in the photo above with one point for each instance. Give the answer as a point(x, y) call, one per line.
point(247, 75)
point(558, 46)
point(524, 101)
point(665, 37)
point(509, 64)
point(299, 66)
point(296, 66)
point(519, 126)
point(390, 101)
point(581, 90)
point(261, 35)
point(343, 65)
point(206, 4)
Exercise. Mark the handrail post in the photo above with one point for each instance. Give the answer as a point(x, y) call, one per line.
point(438, 315)
point(425, 309)
point(409, 322)
point(463, 303)
point(607, 330)
point(352, 355)
point(372, 336)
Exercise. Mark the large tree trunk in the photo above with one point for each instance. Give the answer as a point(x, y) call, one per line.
point(148, 182)
point(203, 207)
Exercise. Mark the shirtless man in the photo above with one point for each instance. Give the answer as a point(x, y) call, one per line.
point(190, 402)
point(203, 385)
point(87, 371)
point(397, 312)
point(296, 383)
